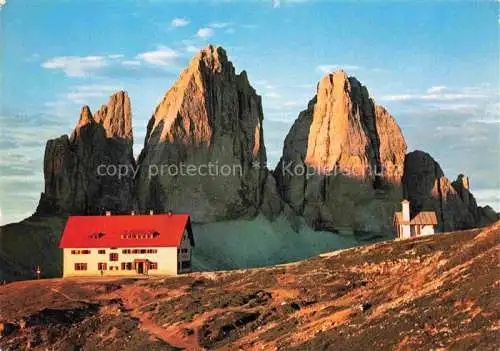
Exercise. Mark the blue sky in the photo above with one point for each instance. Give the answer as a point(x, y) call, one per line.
point(434, 65)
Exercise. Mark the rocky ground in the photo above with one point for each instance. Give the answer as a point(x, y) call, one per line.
point(439, 292)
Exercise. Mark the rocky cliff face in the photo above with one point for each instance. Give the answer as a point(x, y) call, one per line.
point(205, 144)
point(343, 159)
point(73, 183)
point(427, 188)
point(343, 163)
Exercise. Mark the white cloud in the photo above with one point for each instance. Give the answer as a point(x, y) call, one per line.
point(115, 56)
point(436, 89)
point(249, 26)
point(205, 32)
point(475, 105)
point(219, 25)
point(457, 107)
point(268, 88)
point(278, 3)
point(191, 48)
point(179, 22)
point(81, 94)
point(2, 3)
point(131, 63)
point(81, 98)
point(95, 87)
point(433, 97)
point(265, 84)
point(273, 95)
point(490, 115)
point(76, 66)
point(303, 86)
point(486, 121)
point(261, 82)
point(335, 67)
point(163, 56)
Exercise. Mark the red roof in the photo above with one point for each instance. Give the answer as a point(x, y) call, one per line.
point(162, 230)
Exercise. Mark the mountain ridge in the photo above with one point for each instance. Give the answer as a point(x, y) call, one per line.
point(213, 115)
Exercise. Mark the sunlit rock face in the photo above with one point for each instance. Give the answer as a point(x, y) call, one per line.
point(353, 151)
point(210, 120)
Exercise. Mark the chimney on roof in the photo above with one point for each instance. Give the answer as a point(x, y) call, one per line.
point(132, 213)
point(151, 212)
point(169, 213)
point(405, 208)
point(108, 213)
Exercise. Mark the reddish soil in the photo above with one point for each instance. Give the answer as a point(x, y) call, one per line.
point(439, 292)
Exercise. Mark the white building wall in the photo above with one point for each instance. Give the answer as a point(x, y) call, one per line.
point(166, 258)
point(405, 210)
point(405, 231)
point(427, 230)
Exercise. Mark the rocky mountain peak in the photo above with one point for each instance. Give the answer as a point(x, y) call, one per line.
point(212, 57)
point(331, 123)
point(207, 73)
point(428, 189)
point(357, 152)
point(210, 114)
point(100, 114)
point(85, 116)
point(116, 116)
point(350, 132)
point(211, 120)
point(462, 182)
point(72, 181)
point(336, 79)
point(84, 120)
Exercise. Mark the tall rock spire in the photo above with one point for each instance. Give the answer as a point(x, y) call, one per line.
point(210, 120)
point(353, 152)
point(116, 116)
point(74, 168)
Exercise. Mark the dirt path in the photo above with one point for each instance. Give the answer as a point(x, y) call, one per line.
point(130, 296)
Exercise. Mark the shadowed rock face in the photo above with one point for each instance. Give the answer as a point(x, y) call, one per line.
point(72, 182)
point(211, 118)
point(427, 188)
point(355, 150)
